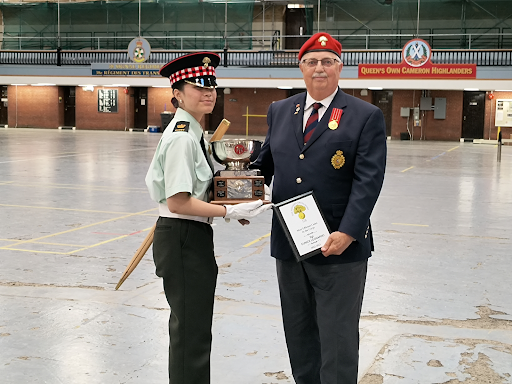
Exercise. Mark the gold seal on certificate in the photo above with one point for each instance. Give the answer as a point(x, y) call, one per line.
point(304, 224)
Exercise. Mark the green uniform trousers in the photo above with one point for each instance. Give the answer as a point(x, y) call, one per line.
point(184, 258)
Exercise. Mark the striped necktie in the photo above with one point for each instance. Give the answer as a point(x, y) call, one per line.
point(311, 123)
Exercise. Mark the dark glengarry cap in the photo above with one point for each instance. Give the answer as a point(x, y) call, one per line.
point(196, 69)
point(321, 42)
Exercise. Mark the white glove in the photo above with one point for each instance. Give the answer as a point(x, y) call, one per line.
point(268, 192)
point(246, 210)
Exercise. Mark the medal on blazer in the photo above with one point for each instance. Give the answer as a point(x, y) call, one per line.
point(338, 160)
point(334, 120)
point(297, 109)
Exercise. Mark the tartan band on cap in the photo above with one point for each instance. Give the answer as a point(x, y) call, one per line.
point(188, 73)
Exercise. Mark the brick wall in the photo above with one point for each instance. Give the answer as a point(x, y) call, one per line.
point(490, 116)
point(433, 129)
point(159, 100)
point(34, 107)
point(258, 101)
point(446, 129)
point(88, 117)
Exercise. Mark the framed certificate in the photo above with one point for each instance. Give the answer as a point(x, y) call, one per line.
point(303, 224)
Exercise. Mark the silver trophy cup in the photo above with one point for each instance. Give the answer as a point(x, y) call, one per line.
point(237, 183)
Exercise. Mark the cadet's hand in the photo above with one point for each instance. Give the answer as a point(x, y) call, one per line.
point(336, 243)
point(246, 210)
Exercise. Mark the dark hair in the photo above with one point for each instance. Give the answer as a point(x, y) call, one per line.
point(179, 85)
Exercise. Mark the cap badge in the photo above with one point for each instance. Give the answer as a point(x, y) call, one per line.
point(206, 61)
point(338, 160)
point(323, 41)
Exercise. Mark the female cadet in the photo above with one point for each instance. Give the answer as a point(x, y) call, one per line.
point(179, 180)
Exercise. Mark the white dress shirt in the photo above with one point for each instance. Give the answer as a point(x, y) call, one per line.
point(308, 107)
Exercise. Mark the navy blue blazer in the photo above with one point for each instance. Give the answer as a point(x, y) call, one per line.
point(346, 195)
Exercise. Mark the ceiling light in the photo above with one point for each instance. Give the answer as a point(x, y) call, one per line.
point(42, 85)
point(284, 87)
point(471, 89)
point(375, 88)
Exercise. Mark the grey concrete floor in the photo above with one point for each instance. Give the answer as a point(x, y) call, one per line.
point(74, 208)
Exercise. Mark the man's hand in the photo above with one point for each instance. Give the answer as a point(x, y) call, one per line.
point(336, 243)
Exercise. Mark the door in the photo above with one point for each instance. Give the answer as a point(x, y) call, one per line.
point(3, 105)
point(384, 100)
point(69, 106)
point(140, 96)
point(473, 117)
point(295, 19)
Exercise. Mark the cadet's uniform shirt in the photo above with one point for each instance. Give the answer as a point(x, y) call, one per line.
point(179, 164)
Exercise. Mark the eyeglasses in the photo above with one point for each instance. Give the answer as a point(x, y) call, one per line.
point(326, 63)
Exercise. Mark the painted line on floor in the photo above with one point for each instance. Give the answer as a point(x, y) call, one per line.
point(6, 182)
point(74, 185)
point(100, 189)
point(405, 170)
point(458, 146)
point(435, 157)
point(70, 245)
point(98, 244)
point(76, 154)
point(34, 251)
point(46, 243)
point(70, 209)
point(59, 244)
point(255, 241)
point(108, 241)
point(412, 225)
point(77, 229)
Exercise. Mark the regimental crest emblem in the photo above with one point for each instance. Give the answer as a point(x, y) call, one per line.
point(416, 52)
point(206, 62)
point(338, 160)
point(139, 50)
point(299, 210)
point(323, 41)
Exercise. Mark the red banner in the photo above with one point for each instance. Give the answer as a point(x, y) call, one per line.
point(427, 71)
point(416, 64)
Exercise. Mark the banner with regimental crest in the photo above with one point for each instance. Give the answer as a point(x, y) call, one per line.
point(139, 50)
point(416, 63)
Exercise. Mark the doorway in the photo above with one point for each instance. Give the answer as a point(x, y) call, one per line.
point(473, 118)
point(384, 100)
point(69, 106)
point(296, 21)
point(140, 98)
point(3, 106)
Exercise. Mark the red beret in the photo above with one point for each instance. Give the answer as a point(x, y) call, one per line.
point(321, 42)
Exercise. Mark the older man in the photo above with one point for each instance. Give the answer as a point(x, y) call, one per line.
point(335, 145)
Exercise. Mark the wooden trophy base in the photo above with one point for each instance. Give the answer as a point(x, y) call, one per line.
point(233, 201)
point(238, 189)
